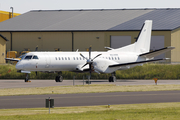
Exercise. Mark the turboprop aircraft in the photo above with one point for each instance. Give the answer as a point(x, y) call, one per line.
point(99, 62)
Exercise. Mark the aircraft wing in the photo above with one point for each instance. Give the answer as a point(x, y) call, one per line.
point(136, 63)
point(13, 59)
point(156, 52)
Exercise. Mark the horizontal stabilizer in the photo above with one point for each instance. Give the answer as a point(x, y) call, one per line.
point(136, 63)
point(12, 59)
point(156, 52)
point(109, 48)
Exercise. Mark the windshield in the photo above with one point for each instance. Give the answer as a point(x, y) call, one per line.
point(35, 57)
point(22, 56)
point(28, 57)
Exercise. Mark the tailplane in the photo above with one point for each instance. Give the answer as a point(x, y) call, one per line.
point(142, 44)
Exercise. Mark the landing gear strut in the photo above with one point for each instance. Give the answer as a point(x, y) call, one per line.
point(27, 78)
point(112, 78)
point(59, 78)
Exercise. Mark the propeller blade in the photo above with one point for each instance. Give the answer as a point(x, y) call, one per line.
point(96, 57)
point(83, 56)
point(89, 52)
point(90, 70)
point(84, 65)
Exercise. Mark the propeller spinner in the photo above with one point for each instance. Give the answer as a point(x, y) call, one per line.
point(89, 61)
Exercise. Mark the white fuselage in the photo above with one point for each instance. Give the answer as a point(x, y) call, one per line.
point(72, 61)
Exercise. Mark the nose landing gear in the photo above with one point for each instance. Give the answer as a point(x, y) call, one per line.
point(27, 78)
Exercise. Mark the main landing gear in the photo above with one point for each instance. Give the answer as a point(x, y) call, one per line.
point(112, 78)
point(59, 78)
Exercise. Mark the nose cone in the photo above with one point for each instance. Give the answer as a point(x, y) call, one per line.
point(19, 66)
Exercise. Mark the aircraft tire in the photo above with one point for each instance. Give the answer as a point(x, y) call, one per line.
point(110, 79)
point(25, 80)
point(60, 78)
point(57, 79)
point(113, 78)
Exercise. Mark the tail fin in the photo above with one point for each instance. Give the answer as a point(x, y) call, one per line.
point(144, 39)
point(142, 44)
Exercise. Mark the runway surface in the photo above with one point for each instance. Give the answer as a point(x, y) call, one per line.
point(86, 99)
point(90, 99)
point(47, 83)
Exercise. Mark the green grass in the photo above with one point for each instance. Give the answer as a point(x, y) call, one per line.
point(154, 111)
point(147, 71)
point(85, 89)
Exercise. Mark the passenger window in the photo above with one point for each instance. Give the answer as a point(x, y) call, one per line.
point(62, 58)
point(35, 57)
point(77, 58)
point(65, 58)
point(109, 58)
point(28, 57)
point(59, 58)
point(115, 58)
point(68, 58)
point(112, 58)
point(74, 58)
point(80, 58)
point(56, 58)
point(118, 58)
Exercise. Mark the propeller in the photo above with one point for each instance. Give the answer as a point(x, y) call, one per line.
point(89, 61)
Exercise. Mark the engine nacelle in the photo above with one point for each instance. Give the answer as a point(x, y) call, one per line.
point(102, 65)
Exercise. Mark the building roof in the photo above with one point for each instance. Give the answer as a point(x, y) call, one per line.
point(4, 37)
point(93, 20)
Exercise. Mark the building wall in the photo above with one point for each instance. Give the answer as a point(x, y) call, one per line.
point(46, 41)
point(175, 42)
point(2, 50)
point(83, 40)
point(8, 36)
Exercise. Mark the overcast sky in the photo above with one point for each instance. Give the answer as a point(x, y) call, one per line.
point(22, 6)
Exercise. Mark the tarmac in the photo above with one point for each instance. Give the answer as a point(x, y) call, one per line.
point(47, 83)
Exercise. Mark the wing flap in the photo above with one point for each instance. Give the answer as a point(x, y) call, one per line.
point(136, 63)
point(156, 52)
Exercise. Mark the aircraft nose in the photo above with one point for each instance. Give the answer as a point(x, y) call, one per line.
point(19, 66)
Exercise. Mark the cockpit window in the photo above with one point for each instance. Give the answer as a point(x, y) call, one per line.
point(35, 57)
point(28, 57)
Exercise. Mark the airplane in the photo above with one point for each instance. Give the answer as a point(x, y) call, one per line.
point(99, 62)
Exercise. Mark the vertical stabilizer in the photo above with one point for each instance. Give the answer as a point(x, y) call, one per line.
point(142, 44)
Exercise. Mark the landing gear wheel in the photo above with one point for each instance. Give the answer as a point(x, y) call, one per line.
point(27, 78)
point(59, 78)
point(112, 78)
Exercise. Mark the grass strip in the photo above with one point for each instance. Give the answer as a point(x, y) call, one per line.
point(85, 89)
point(155, 111)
